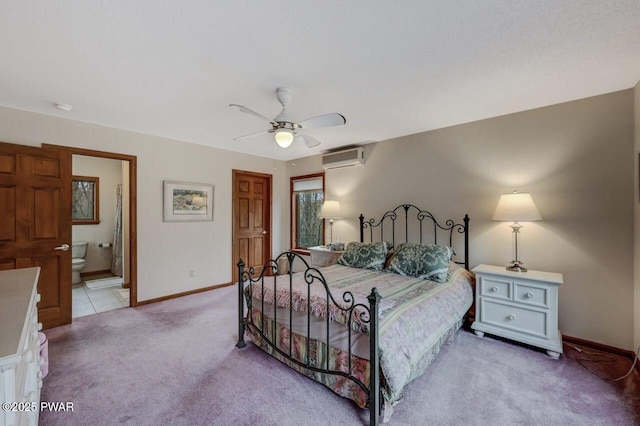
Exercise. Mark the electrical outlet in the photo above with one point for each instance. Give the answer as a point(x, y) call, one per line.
point(192, 273)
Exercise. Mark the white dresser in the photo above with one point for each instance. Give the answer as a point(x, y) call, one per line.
point(20, 374)
point(322, 256)
point(521, 306)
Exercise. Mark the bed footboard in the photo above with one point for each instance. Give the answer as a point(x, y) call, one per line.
point(268, 280)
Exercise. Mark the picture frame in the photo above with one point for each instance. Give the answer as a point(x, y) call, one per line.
point(85, 200)
point(187, 201)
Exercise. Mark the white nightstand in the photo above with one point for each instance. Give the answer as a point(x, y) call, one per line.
point(322, 256)
point(521, 306)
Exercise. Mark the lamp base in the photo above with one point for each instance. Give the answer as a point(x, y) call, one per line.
point(516, 266)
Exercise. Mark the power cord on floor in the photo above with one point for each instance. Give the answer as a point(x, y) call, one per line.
point(606, 358)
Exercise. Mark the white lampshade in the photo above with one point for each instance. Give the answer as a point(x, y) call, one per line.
point(284, 137)
point(516, 207)
point(330, 210)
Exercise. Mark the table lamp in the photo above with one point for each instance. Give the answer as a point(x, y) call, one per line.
point(516, 207)
point(330, 210)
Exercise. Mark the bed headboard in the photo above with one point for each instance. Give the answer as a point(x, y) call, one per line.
point(405, 224)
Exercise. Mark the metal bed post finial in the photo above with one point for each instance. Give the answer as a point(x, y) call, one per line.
point(241, 343)
point(361, 228)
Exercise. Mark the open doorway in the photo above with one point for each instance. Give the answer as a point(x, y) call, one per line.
point(103, 231)
point(99, 233)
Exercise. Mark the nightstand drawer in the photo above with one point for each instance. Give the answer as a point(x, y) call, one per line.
point(323, 259)
point(532, 295)
point(517, 319)
point(492, 287)
point(322, 256)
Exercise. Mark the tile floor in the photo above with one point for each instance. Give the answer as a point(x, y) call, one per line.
point(87, 302)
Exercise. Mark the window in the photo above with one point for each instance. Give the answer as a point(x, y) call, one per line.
point(85, 200)
point(307, 195)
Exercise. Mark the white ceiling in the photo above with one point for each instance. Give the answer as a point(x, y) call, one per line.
point(392, 68)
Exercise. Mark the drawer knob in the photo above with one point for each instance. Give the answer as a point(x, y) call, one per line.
point(529, 295)
point(512, 317)
point(494, 289)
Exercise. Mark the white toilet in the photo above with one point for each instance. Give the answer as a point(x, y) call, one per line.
point(78, 253)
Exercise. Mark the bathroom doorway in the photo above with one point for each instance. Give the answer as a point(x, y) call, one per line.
point(99, 198)
point(104, 268)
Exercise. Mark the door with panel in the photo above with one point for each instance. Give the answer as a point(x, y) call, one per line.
point(251, 219)
point(35, 223)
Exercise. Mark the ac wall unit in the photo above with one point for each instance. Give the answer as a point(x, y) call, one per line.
point(348, 157)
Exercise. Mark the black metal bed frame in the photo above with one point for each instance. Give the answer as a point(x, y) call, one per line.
point(352, 310)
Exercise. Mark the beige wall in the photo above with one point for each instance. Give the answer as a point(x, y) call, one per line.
point(166, 251)
point(109, 173)
point(636, 257)
point(576, 159)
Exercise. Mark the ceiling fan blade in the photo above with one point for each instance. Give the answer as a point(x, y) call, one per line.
point(308, 140)
point(250, 135)
point(326, 120)
point(252, 112)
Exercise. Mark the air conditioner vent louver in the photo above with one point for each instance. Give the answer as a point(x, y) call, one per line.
point(349, 157)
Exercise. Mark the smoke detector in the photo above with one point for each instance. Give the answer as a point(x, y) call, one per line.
point(63, 107)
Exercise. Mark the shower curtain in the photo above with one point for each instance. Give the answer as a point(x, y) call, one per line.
point(116, 258)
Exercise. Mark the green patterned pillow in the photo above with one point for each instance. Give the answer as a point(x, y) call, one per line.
point(428, 262)
point(364, 255)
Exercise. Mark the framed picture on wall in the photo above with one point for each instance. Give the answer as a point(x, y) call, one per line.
point(187, 202)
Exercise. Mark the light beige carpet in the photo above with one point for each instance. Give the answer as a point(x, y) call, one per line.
point(175, 363)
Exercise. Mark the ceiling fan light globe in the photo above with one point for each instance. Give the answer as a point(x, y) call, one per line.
point(284, 137)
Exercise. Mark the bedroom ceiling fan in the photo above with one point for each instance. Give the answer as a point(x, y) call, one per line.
point(285, 130)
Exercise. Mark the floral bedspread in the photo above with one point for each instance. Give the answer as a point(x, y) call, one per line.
point(415, 315)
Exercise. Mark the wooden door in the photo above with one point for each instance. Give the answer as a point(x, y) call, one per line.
point(35, 223)
point(251, 219)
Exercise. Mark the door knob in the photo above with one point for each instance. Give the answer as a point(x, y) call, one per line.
point(63, 247)
point(264, 232)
